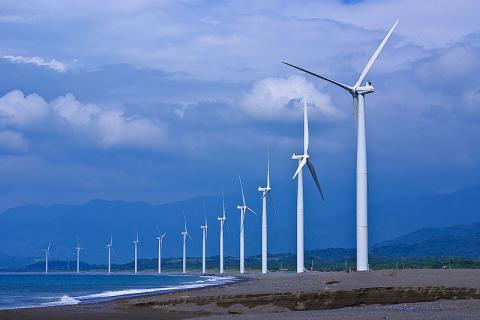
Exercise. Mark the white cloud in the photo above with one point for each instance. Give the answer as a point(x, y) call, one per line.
point(277, 99)
point(18, 110)
point(50, 64)
point(108, 128)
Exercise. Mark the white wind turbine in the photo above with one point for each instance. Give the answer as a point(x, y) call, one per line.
point(204, 245)
point(358, 92)
point(78, 248)
point(160, 243)
point(47, 254)
point(109, 246)
point(265, 191)
point(135, 244)
point(302, 160)
point(243, 210)
point(185, 234)
point(222, 222)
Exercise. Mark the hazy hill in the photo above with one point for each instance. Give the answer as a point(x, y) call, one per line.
point(26, 230)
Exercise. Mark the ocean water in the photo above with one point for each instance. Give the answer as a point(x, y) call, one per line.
point(40, 290)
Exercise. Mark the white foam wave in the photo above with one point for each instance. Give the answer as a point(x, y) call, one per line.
point(63, 301)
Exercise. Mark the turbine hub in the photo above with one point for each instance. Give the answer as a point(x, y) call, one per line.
point(367, 88)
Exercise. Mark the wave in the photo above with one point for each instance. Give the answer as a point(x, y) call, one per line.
point(112, 294)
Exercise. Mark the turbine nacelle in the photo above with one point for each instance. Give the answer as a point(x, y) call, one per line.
point(367, 88)
point(265, 190)
point(299, 156)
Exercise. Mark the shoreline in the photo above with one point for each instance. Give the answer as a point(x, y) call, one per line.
point(288, 294)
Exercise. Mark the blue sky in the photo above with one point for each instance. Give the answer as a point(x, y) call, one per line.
point(164, 100)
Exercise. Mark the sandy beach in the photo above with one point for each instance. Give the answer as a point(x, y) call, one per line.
point(383, 294)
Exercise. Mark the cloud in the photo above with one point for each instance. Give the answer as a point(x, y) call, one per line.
point(278, 99)
point(18, 110)
point(50, 64)
point(107, 128)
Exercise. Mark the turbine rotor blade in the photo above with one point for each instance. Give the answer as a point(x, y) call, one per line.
point(355, 109)
point(374, 56)
point(300, 166)
point(341, 85)
point(305, 127)
point(241, 187)
point(251, 210)
point(315, 178)
point(273, 204)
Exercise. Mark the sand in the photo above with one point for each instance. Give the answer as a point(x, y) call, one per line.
point(385, 294)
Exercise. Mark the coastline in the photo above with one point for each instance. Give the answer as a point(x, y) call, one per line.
point(291, 295)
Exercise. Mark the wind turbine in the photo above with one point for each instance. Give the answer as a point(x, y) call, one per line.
point(160, 243)
point(243, 210)
point(358, 92)
point(222, 222)
point(204, 239)
point(109, 246)
point(78, 248)
point(185, 234)
point(135, 244)
point(302, 160)
point(47, 254)
point(265, 191)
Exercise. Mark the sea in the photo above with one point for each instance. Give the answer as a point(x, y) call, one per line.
point(44, 290)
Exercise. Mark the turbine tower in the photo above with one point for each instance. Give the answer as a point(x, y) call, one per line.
point(135, 244)
point(243, 210)
point(302, 160)
point(222, 222)
point(358, 92)
point(265, 191)
point(204, 239)
point(47, 254)
point(160, 243)
point(109, 246)
point(185, 234)
point(78, 248)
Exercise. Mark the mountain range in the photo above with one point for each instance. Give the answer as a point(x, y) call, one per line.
point(405, 226)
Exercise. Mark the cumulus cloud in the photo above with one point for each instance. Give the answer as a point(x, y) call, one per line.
point(50, 64)
point(277, 99)
point(18, 110)
point(108, 128)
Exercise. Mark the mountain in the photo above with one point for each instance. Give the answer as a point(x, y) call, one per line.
point(26, 230)
point(458, 241)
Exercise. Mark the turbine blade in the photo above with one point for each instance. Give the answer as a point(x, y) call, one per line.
point(300, 166)
point(268, 169)
point(273, 204)
point(241, 187)
point(305, 127)
point(251, 211)
point(223, 204)
point(355, 109)
point(315, 178)
point(341, 85)
point(374, 56)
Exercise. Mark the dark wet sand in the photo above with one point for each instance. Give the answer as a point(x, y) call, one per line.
point(385, 294)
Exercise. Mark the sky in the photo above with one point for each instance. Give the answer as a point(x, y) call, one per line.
point(160, 101)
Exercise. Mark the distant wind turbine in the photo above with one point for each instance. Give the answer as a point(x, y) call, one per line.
point(47, 254)
point(204, 245)
point(302, 160)
point(222, 222)
point(265, 191)
point(358, 92)
point(109, 246)
point(135, 244)
point(160, 243)
point(243, 210)
point(78, 248)
point(185, 234)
